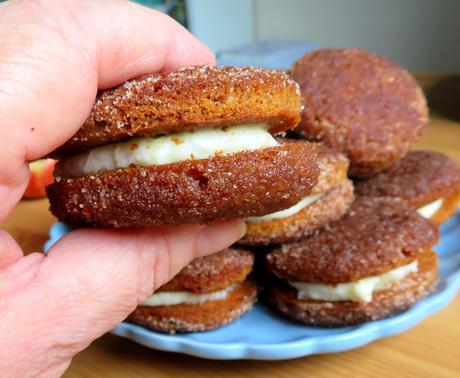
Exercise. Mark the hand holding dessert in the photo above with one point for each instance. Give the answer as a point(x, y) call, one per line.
point(164, 146)
point(54, 306)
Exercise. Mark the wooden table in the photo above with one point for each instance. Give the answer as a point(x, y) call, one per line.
point(430, 349)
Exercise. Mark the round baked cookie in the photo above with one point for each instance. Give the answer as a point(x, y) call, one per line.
point(214, 272)
point(249, 183)
point(208, 293)
point(205, 316)
point(374, 236)
point(191, 146)
point(328, 201)
point(425, 180)
point(395, 298)
point(375, 261)
point(361, 104)
point(191, 98)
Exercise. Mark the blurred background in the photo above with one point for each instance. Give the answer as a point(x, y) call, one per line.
point(421, 35)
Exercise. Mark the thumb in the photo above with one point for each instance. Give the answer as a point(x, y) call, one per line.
point(111, 271)
point(10, 251)
point(91, 280)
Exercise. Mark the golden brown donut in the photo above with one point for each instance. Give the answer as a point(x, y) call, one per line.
point(337, 195)
point(398, 297)
point(194, 97)
point(419, 178)
point(361, 104)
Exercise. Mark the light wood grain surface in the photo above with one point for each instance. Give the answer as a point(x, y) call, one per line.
point(432, 349)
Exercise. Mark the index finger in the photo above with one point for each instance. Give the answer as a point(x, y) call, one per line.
point(55, 55)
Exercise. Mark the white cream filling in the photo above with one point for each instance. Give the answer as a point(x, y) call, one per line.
point(171, 298)
point(360, 290)
point(286, 212)
point(201, 143)
point(431, 209)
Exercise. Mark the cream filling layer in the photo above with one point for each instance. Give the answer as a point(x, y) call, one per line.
point(431, 209)
point(286, 212)
point(171, 298)
point(360, 290)
point(201, 143)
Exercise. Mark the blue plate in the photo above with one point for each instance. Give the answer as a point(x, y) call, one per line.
point(263, 335)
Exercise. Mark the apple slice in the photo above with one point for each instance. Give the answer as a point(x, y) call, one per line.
point(41, 175)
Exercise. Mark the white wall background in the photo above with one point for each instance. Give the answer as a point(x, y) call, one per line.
point(422, 35)
point(419, 34)
point(222, 24)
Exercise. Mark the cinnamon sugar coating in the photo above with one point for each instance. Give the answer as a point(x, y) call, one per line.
point(332, 180)
point(450, 204)
point(333, 166)
point(361, 104)
point(213, 273)
point(333, 169)
point(197, 317)
point(249, 183)
point(419, 178)
point(398, 297)
point(373, 237)
point(193, 97)
point(326, 209)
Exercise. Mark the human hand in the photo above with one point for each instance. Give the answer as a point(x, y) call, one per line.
point(54, 55)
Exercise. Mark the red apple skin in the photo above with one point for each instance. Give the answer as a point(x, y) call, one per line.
point(41, 175)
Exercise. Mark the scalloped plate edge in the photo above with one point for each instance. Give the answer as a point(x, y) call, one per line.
point(356, 337)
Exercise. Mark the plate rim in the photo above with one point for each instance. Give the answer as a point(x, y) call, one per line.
point(356, 337)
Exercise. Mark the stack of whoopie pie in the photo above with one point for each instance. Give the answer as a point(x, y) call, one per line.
point(185, 147)
point(377, 259)
point(208, 293)
point(374, 262)
point(188, 147)
point(340, 208)
point(328, 201)
point(427, 181)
